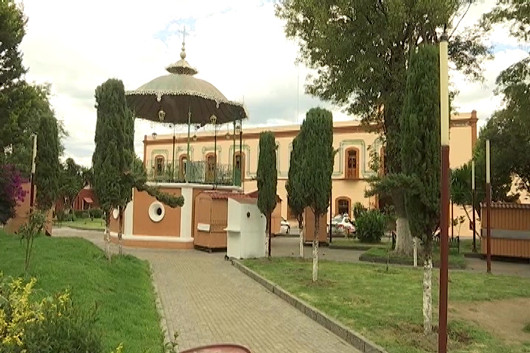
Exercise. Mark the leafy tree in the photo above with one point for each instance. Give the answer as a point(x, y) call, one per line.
point(420, 158)
point(360, 51)
point(10, 192)
point(71, 181)
point(267, 179)
point(294, 187)
point(47, 163)
point(12, 31)
point(317, 167)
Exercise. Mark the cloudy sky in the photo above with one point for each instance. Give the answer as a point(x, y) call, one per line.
point(237, 45)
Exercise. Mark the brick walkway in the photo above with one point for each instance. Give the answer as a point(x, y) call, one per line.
point(208, 301)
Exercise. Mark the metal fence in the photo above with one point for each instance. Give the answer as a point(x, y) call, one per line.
point(194, 172)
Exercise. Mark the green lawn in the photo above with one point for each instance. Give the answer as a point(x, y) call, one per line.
point(122, 289)
point(456, 260)
point(351, 243)
point(84, 223)
point(386, 305)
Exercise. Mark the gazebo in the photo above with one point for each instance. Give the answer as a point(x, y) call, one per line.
point(179, 98)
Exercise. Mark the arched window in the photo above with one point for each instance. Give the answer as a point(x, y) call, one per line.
point(183, 160)
point(352, 163)
point(159, 165)
point(239, 166)
point(343, 205)
point(210, 167)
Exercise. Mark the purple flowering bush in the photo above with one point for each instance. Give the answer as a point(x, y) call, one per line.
point(11, 191)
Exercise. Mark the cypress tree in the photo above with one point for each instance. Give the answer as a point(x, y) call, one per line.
point(47, 164)
point(294, 187)
point(267, 179)
point(317, 167)
point(420, 157)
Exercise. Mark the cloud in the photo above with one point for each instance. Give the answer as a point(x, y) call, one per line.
point(237, 45)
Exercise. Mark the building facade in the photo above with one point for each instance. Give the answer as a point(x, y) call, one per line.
point(228, 154)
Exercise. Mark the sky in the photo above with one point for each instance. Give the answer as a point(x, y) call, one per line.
point(237, 45)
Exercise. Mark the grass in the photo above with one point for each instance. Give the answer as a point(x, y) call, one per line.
point(386, 305)
point(84, 223)
point(527, 328)
point(456, 260)
point(122, 289)
point(350, 243)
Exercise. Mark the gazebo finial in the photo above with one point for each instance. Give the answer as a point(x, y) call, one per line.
point(182, 67)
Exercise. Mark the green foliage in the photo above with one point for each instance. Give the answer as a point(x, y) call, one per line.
point(47, 163)
point(12, 31)
point(370, 226)
point(420, 143)
point(29, 231)
point(54, 324)
point(70, 181)
point(317, 161)
point(81, 214)
point(515, 13)
point(267, 174)
point(114, 153)
point(10, 192)
point(294, 187)
point(361, 49)
point(358, 210)
point(165, 198)
point(95, 213)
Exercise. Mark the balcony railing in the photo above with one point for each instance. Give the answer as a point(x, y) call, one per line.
point(195, 172)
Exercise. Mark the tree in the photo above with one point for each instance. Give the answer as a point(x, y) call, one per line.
point(12, 31)
point(267, 179)
point(420, 158)
point(10, 192)
point(360, 51)
point(294, 187)
point(71, 181)
point(317, 167)
point(47, 164)
point(114, 153)
point(115, 171)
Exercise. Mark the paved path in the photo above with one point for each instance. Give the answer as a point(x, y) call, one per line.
point(207, 300)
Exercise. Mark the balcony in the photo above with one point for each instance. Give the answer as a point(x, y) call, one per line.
point(196, 172)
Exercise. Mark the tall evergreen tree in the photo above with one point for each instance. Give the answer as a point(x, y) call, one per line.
point(267, 179)
point(360, 50)
point(114, 153)
point(47, 165)
point(420, 158)
point(317, 167)
point(71, 181)
point(12, 31)
point(294, 187)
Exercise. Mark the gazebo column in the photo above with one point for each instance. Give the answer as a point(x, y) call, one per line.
point(186, 221)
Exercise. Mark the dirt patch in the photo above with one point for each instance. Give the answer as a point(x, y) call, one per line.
point(505, 319)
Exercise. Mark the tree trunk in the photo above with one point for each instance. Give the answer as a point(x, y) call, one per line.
point(266, 236)
point(270, 232)
point(120, 230)
point(301, 230)
point(404, 241)
point(315, 248)
point(107, 235)
point(427, 294)
point(404, 244)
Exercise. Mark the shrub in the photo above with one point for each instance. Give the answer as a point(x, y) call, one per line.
point(81, 214)
point(55, 324)
point(371, 226)
point(358, 210)
point(95, 213)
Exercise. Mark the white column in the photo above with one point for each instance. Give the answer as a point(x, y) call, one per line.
point(128, 215)
point(186, 213)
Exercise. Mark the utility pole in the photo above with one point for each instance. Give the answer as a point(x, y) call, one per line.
point(32, 183)
point(444, 204)
point(473, 204)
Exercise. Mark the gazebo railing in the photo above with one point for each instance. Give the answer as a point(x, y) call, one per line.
point(199, 172)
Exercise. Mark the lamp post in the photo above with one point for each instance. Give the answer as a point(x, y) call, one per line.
point(32, 182)
point(213, 120)
point(488, 207)
point(444, 204)
point(473, 204)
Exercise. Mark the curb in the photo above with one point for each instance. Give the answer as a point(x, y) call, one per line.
point(350, 336)
point(160, 308)
point(358, 248)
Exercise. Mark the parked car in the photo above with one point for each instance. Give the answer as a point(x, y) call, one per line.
point(342, 224)
point(285, 227)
